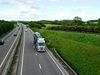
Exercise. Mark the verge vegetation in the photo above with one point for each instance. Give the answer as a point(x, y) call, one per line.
point(5, 26)
point(80, 50)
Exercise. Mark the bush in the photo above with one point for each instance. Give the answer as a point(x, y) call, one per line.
point(36, 24)
point(92, 29)
point(5, 26)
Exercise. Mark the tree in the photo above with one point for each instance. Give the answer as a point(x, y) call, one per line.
point(5, 26)
point(36, 24)
point(77, 18)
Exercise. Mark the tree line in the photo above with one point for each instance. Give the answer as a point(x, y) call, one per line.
point(36, 24)
point(92, 26)
point(91, 29)
point(5, 26)
point(71, 22)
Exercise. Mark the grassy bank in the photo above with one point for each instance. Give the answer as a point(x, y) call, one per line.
point(80, 50)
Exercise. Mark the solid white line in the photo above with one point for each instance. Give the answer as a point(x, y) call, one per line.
point(8, 52)
point(40, 66)
point(23, 55)
point(56, 63)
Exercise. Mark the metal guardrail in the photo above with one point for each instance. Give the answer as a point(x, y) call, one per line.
point(64, 64)
point(9, 56)
point(71, 71)
point(68, 67)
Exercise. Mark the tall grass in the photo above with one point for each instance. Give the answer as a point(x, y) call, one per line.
point(80, 50)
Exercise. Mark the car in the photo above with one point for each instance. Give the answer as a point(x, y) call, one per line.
point(15, 34)
point(1, 41)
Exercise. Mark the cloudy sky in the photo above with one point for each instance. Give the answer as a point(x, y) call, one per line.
point(49, 9)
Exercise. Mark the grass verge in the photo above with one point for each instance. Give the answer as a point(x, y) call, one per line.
point(80, 50)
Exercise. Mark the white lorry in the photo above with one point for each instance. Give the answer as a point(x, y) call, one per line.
point(39, 42)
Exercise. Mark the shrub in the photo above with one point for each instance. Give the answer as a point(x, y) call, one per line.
point(5, 26)
point(92, 29)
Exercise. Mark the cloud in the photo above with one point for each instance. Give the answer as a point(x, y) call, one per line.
point(53, 0)
point(24, 9)
point(64, 13)
point(61, 14)
point(34, 7)
point(25, 3)
point(19, 16)
point(41, 9)
point(74, 0)
point(5, 2)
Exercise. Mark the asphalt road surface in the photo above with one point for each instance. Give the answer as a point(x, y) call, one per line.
point(4, 49)
point(35, 63)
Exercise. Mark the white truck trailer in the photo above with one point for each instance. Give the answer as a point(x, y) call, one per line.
point(39, 42)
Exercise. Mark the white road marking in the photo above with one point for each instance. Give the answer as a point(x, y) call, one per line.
point(8, 52)
point(36, 54)
point(56, 63)
point(40, 66)
point(32, 41)
point(21, 73)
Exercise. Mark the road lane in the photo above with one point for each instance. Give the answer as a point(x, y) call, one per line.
point(30, 64)
point(48, 66)
point(35, 63)
point(4, 49)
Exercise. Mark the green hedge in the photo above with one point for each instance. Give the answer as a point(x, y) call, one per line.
point(5, 26)
point(36, 24)
point(92, 29)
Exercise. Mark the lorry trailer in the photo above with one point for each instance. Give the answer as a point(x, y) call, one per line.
point(39, 42)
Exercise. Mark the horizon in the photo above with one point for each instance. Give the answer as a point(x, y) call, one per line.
point(47, 20)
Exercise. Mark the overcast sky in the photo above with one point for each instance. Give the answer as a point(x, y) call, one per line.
point(49, 9)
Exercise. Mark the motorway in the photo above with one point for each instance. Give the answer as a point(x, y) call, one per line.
point(31, 62)
point(35, 63)
point(5, 49)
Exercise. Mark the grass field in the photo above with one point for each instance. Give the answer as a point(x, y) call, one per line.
point(80, 50)
point(51, 25)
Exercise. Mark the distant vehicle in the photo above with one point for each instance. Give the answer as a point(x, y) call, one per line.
point(1, 42)
point(17, 25)
point(26, 30)
point(39, 42)
point(18, 28)
point(36, 36)
point(15, 34)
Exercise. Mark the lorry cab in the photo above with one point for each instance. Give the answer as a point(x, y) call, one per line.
point(40, 45)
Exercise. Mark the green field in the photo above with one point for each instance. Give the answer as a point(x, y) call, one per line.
point(80, 50)
point(51, 25)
